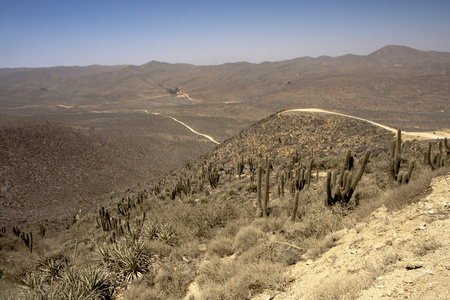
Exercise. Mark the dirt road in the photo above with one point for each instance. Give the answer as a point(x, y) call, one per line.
point(407, 135)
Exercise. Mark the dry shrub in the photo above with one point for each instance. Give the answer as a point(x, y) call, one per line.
point(221, 246)
point(400, 196)
point(141, 292)
point(343, 287)
point(270, 225)
point(219, 279)
point(425, 245)
point(318, 247)
point(173, 283)
point(247, 237)
point(275, 250)
point(409, 193)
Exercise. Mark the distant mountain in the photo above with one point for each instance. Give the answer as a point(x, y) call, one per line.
point(406, 55)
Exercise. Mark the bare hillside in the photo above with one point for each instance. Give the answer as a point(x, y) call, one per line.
point(50, 170)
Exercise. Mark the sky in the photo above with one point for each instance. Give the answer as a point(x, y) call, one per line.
point(44, 33)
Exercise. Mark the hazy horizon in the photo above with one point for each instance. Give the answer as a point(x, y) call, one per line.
point(68, 33)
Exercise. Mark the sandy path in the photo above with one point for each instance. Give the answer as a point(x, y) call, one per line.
point(188, 127)
point(409, 135)
point(186, 96)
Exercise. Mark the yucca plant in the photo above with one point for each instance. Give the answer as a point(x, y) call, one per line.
point(52, 267)
point(166, 233)
point(126, 256)
point(33, 285)
point(86, 283)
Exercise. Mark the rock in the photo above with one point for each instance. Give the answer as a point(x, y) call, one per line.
point(414, 265)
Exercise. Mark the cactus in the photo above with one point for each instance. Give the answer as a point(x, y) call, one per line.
point(213, 177)
point(240, 168)
point(103, 219)
point(440, 159)
point(28, 240)
point(42, 230)
point(295, 207)
point(302, 178)
point(342, 189)
point(267, 188)
point(16, 231)
point(395, 174)
point(258, 188)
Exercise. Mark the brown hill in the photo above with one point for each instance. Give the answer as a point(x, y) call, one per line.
point(50, 170)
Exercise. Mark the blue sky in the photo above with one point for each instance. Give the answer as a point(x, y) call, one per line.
point(44, 33)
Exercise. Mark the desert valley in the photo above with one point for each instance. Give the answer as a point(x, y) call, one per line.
point(236, 181)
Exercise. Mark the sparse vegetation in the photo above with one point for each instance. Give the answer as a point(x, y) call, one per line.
point(201, 226)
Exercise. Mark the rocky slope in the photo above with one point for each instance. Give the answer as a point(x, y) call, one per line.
point(394, 254)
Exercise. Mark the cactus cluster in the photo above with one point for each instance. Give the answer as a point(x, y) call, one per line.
point(401, 177)
point(267, 189)
point(213, 177)
point(440, 159)
point(28, 240)
point(104, 219)
point(340, 189)
point(183, 186)
point(240, 167)
point(16, 231)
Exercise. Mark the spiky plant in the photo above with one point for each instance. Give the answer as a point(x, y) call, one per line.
point(126, 256)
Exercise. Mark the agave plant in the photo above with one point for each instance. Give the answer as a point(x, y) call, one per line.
point(126, 256)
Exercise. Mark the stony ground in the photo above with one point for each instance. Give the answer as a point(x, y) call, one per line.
point(399, 255)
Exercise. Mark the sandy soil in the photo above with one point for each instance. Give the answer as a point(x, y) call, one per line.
point(399, 255)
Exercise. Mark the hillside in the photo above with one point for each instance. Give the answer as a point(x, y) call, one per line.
point(199, 232)
point(112, 186)
point(49, 170)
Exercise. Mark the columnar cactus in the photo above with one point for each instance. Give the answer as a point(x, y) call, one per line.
point(28, 240)
point(295, 206)
point(258, 188)
point(440, 159)
point(213, 177)
point(395, 174)
point(267, 189)
point(103, 219)
point(341, 190)
point(240, 168)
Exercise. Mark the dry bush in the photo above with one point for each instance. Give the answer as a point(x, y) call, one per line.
point(423, 246)
point(343, 287)
point(221, 246)
point(320, 246)
point(172, 282)
point(141, 291)
point(247, 237)
point(219, 279)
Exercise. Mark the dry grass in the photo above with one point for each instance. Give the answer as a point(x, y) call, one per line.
point(221, 279)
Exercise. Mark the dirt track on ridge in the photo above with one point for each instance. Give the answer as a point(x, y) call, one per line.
point(407, 135)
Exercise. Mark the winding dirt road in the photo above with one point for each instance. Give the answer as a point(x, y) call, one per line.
point(188, 127)
point(408, 135)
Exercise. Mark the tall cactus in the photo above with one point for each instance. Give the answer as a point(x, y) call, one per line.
point(267, 189)
point(395, 174)
point(240, 168)
point(439, 159)
point(341, 190)
point(258, 187)
point(295, 206)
